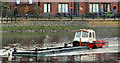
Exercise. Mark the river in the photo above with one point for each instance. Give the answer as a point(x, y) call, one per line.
point(31, 40)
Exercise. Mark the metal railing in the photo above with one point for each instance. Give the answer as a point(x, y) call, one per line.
point(60, 16)
point(63, 16)
point(7, 19)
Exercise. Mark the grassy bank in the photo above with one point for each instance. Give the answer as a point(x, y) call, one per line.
point(57, 25)
point(104, 23)
point(18, 28)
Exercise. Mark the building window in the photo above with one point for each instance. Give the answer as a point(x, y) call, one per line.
point(47, 7)
point(105, 7)
point(90, 35)
point(115, 8)
point(84, 34)
point(63, 7)
point(94, 7)
point(81, 7)
point(17, 1)
point(30, 1)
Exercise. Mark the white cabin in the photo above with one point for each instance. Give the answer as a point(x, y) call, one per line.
point(85, 35)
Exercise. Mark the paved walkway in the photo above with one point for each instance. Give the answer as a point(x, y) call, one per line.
point(35, 19)
point(85, 19)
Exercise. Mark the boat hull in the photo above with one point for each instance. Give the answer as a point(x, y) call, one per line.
point(93, 45)
point(90, 45)
point(44, 52)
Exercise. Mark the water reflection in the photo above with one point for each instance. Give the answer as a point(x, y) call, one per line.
point(99, 57)
point(31, 40)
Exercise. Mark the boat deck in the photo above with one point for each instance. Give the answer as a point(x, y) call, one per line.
point(43, 52)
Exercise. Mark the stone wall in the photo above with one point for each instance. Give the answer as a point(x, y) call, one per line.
point(48, 23)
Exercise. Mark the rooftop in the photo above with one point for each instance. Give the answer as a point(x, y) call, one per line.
point(88, 30)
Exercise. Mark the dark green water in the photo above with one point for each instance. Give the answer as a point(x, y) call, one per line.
point(30, 39)
point(27, 38)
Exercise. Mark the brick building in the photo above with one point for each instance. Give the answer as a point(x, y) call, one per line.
point(79, 7)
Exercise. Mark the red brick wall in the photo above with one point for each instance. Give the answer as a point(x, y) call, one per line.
point(119, 7)
point(22, 9)
point(86, 5)
point(54, 6)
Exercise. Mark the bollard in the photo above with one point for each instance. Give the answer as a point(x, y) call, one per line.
point(11, 19)
point(82, 17)
point(7, 19)
point(26, 16)
point(37, 17)
point(104, 17)
point(71, 17)
point(93, 16)
point(15, 18)
point(60, 17)
point(114, 16)
point(49, 16)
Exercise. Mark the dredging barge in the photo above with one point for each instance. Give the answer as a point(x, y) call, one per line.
point(84, 39)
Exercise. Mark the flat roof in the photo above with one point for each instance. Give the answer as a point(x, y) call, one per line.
point(89, 30)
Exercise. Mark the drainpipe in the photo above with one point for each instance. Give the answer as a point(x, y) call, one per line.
point(71, 6)
point(39, 2)
point(118, 7)
point(78, 8)
point(74, 7)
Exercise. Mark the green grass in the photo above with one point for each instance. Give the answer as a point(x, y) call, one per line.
point(77, 17)
point(18, 28)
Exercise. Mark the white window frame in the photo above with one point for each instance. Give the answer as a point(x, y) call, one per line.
point(105, 4)
point(18, 1)
point(63, 7)
point(30, 1)
point(47, 7)
point(93, 7)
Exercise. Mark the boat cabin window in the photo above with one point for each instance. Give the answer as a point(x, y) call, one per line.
point(90, 35)
point(84, 34)
point(78, 34)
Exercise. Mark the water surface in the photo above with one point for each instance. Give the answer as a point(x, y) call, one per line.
point(31, 40)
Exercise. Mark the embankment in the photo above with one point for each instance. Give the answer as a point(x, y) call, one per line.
point(55, 26)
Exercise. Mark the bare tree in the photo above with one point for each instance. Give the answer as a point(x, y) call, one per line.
point(38, 10)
